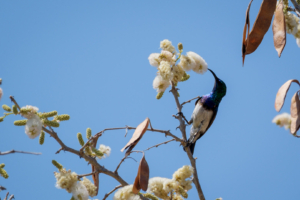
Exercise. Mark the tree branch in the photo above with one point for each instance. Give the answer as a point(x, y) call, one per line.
point(157, 145)
point(182, 128)
point(296, 5)
point(84, 175)
point(107, 194)
point(15, 151)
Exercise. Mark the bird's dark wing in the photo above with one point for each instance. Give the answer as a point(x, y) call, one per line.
point(211, 121)
point(198, 100)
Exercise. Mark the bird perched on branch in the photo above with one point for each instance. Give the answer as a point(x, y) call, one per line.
point(205, 111)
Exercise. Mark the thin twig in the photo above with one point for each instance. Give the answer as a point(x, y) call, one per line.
point(2, 188)
point(107, 194)
point(11, 197)
point(14, 101)
point(15, 151)
point(83, 175)
point(189, 101)
point(182, 127)
point(123, 159)
point(6, 196)
point(166, 142)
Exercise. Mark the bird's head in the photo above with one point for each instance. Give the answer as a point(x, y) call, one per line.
point(219, 87)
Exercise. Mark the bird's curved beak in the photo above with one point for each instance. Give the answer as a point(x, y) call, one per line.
point(213, 74)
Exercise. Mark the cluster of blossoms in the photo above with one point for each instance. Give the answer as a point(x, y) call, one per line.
point(68, 180)
point(293, 26)
point(162, 188)
point(283, 119)
point(34, 121)
point(90, 150)
point(169, 71)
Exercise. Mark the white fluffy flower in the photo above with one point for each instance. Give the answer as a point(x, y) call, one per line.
point(167, 45)
point(165, 70)
point(291, 23)
point(79, 191)
point(177, 73)
point(183, 173)
point(156, 186)
point(91, 188)
point(201, 65)
point(65, 179)
point(33, 127)
point(160, 84)
point(177, 197)
point(298, 42)
point(125, 193)
point(283, 119)
point(105, 150)
point(1, 93)
point(297, 34)
point(29, 111)
point(154, 59)
point(187, 63)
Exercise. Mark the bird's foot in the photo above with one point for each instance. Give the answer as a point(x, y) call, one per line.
point(182, 115)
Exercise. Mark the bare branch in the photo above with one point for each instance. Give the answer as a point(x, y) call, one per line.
point(294, 10)
point(166, 142)
point(182, 127)
point(123, 159)
point(6, 196)
point(296, 5)
point(83, 175)
point(15, 151)
point(107, 194)
point(189, 101)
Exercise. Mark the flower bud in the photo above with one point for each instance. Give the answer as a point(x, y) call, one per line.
point(62, 117)
point(1, 119)
point(48, 114)
point(15, 109)
point(20, 122)
point(97, 152)
point(180, 47)
point(50, 123)
point(6, 108)
point(2, 165)
point(182, 192)
point(185, 77)
point(159, 95)
point(88, 151)
point(42, 138)
point(80, 139)
point(57, 165)
point(150, 196)
point(3, 173)
point(88, 133)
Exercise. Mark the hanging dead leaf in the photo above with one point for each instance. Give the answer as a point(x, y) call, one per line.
point(137, 135)
point(142, 178)
point(246, 27)
point(295, 111)
point(260, 26)
point(279, 29)
point(281, 94)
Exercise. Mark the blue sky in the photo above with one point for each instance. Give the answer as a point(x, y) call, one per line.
point(88, 59)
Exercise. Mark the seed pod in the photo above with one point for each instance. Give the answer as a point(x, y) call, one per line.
point(20, 122)
point(80, 139)
point(42, 138)
point(62, 117)
point(15, 109)
point(50, 123)
point(49, 114)
point(88, 133)
point(57, 165)
point(279, 29)
point(6, 108)
point(260, 26)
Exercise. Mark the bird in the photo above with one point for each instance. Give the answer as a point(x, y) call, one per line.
point(205, 111)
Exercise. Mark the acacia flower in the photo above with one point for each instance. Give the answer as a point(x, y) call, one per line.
point(160, 84)
point(167, 45)
point(187, 63)
point(125, 193)
point(177, 73)
point(91, 188)
point(154, 59)
point(165, 70)
point(79, 191)
point(33, 126)
point(105, 150)
point(283, 119)
point(156, 186)
point(201, 65)
point(65, 179)
point(29, 111)
point(291, 22)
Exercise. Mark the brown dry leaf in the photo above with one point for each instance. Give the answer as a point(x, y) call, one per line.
point(279, 29)
point(142, 178)
point(295, 110)
point(281, 94)
point(260, 26)
point(137, 135)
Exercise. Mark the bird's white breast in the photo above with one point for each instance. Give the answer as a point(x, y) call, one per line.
point(201, 118)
